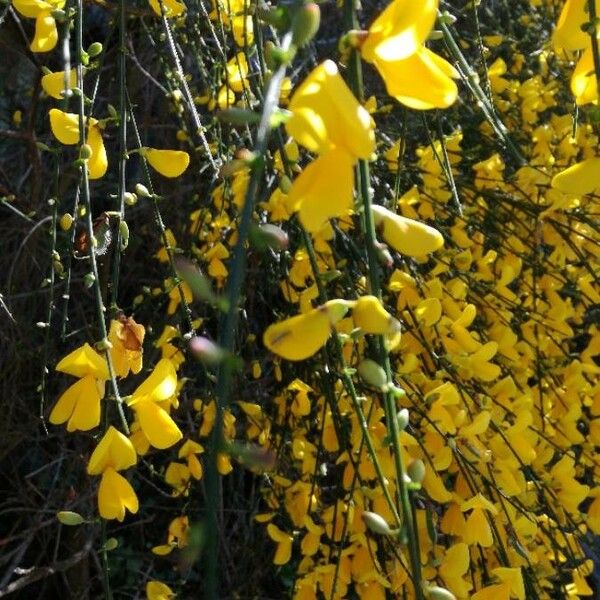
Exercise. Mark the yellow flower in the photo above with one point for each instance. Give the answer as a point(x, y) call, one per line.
point(177, 476)
point(568, 34)
point(583, 80)
point(172, 8)
point(407, 236)
point(158, 427)
point(369, 314)
point(177, 536)
point(46, 35)
point(84, 361)
point(399, 30)
point(65, 128)
point(156, 590)
point(324, 189)
point(169, 163)
point(115, 494)
point(188, 451)
point(284, 544)
point(79, 405)
point(580, 178)
point(325, 114)
point(114, 451)
point(54, 83)
point(301, 336)
point(413, 74)
point(126, 337)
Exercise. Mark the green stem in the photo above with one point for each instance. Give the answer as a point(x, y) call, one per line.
point(229, 321)
point(364, 185)
point(114, 291)
point(85, 187)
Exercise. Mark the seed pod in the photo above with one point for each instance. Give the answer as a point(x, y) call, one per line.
point(95, 49)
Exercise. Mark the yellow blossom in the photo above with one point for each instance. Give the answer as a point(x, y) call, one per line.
point(284, 544)
point(126, 337)
point(301, 336)
point(114, 451)
point(324, 189)
point(115, 494)
point(407, 236)
point(325, 114)
point(54, 83)
point(172, 8)
point(169, 163)
point(157, 590)
point(46, 34)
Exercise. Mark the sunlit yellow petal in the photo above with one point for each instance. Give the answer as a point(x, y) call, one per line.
point(324, 189)
point(580, 178)
point(54, 83)
point(159, 385)
point(84, 361)
point(407, 236)
point(169, 163)
point(114, 450)
point(326, 114)
point(65, 126)
point(160, 429)
point(115, 494)
point(46, 34)
point(98, 162)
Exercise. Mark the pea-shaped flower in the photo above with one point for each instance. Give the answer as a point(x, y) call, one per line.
point(79, 405)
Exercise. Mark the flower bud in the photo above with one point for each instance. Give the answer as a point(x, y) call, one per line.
point(435, 592)
point(142, 191)
point(376, 523)
point(305, 25)
point(130, 198)
point(85, 152)
point(66, 222)
point(266, 235)
point(110, 544)
point(94, 49)
point(124, 231)
point(67, 517)
point(372, 373)
point(416, 471)
point(402, 418)
point(206, 351)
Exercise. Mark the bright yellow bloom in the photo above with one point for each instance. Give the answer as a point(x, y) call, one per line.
point(114, 451)
point(369, 314)
point(413, 74)
point(177, 536)
point(325, 114)
point(169, 163)
point(188, 451)
point(157, 590)
point(177, 476)
point(324, 189)
point(568, 33)
point(407, 236)
point(172, 8)
point(54, 83)
point(158, 427)
point(115, 494)
point(583, 80)
point(46, 34)
point(284, 544)
point(399, 30)
point(580, 178)
point(301, 336)
point(84, 361)
point(65, 127)
point(79, 405)
point(126, 337)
